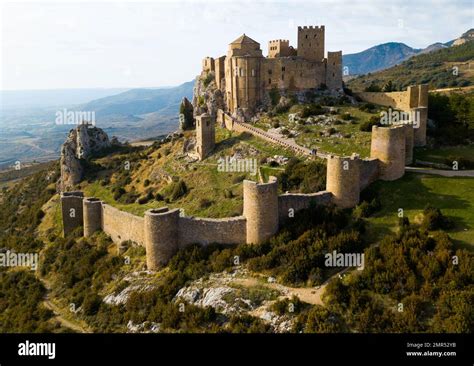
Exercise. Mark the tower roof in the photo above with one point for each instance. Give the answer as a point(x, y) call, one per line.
point(243, 39)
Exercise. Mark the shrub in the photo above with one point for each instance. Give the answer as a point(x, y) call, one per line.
point(208, 79)
point(146, 182)
point(346, 116)
point(287, 306)
point(144, 199)
point(367, 107)
point(367, 125)
point(205, 203)
point(91, 303)
point(311, 110)
point(177, 190)
point(433, 219)
point(274, 96)
point(273, 164)
point(373, 88)
point(119, 192)
point(228, 193)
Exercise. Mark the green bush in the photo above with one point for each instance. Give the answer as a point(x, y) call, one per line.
point(311, 110)
point(346, 116)
point(208, 79)
point(287, 306)
point(178, 190)
point(433, 219)
point(367, 125)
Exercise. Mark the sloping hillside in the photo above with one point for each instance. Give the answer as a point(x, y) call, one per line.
point(140, 101)
point(448, 67)
point(377, 58)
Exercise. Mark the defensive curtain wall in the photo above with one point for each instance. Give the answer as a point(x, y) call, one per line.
point(164, 231)
point(413, 101)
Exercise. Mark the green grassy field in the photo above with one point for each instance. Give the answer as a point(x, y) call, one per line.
point(454, 196)
point(439, 155)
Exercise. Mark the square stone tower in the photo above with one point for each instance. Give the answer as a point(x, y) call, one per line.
point(205, 135)
point(311, 43)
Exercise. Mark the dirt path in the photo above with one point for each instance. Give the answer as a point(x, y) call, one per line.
point(58, 312)
point(311, 295)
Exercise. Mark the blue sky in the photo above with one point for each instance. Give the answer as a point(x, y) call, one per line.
point(49, 45)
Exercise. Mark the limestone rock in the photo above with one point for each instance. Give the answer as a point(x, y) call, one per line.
point(81, 143)
point(207, 98)
point(186, 111)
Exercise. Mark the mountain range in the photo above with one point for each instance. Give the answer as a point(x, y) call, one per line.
point(386, 55)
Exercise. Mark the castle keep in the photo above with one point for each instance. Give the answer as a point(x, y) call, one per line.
point(246, 77)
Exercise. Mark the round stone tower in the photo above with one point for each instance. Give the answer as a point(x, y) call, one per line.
point(92, 208)
point(161, 236)
point(388, 146)
point(261, 210)
point(343, 180)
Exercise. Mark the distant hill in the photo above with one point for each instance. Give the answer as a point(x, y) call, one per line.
point(29, 135)
point(386, 55)
point(377, 57)
point(434, 68)
point(16, 99)
point(138, 102)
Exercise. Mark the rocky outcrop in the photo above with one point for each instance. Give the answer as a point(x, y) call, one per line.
point(207, 98)
point(81, 143)
point(186, 112)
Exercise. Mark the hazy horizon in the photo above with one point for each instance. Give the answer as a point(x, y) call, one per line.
point(91, 45)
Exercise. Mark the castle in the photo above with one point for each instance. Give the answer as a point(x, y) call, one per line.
point(244, 80)
point(246, 77)
point(163, 231)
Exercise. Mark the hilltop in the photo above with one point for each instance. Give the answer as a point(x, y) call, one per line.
point(389, 54)
point(447, 67)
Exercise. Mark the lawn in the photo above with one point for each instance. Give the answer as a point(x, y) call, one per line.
point(454, 196)
point(439, 155)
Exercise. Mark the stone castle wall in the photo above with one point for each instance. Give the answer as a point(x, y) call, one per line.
point(414, 101)
point(230, 230)
point(122, 226)
point(163, 232)
point(369, 172)
point(289, 203)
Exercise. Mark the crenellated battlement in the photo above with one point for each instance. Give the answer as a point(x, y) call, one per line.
point(311, 27)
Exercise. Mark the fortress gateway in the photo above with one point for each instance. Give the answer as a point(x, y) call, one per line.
point(246, 77)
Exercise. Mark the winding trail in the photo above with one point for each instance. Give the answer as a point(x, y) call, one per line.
point(310, 295)
point(58, 312)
